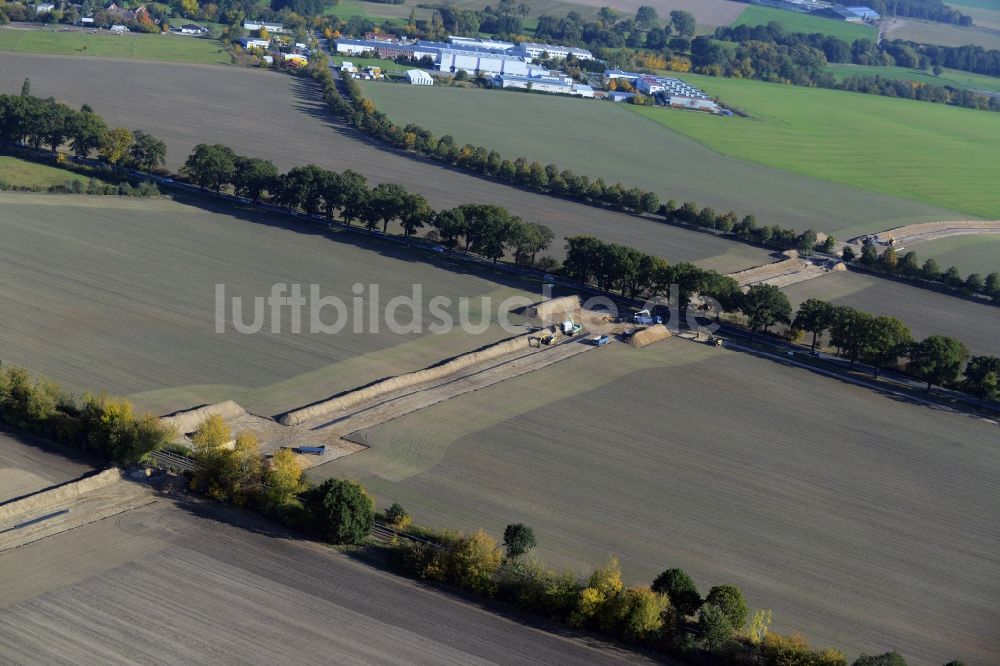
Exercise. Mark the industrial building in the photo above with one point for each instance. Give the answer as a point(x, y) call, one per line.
point(453, 61)
point(534, 51)
point(419, 77)
point(463, 53)
point(273, 28)
point(447, 57)
point(481, 43)
point(695, 103)
point(549, 84)
point(850, 14)
point(651, 85)
point(249, 43)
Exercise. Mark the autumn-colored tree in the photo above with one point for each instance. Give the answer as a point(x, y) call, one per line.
point(602, 588)
point(640, 612)
point(283, 479)
point(115, 145)
point(264, 34)
point(475, 560)
point(212, 433)
point(247, 467)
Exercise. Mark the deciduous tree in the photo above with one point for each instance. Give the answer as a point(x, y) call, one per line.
point(681, 590)
point(730, 600)
point(814, 316)
point(765, 305)
point(886, 339)
point(147, 152)
point(937, 359)
point(210, 166)
point(982, 377)
point(518, 539)
point(252, 176)
point(340, 511)
point(115, 145)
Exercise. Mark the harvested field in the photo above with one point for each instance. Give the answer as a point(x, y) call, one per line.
point(193, 582)
point(869, 142)
point(926, 312)
point(632, 150)
point(984, 13)
point(684, 455)
point(707, 13)
point(222, 105)
point(18, 482)
point(30, 468)
point(106, 293)
point(971, 254)
point(931, 32)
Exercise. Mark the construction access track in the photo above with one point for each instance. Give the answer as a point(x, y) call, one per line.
point(392, 405)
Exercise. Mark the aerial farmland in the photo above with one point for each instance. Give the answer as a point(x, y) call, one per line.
point(310, 361)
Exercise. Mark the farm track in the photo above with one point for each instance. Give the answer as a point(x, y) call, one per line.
point(917, 233)
point(410, 399)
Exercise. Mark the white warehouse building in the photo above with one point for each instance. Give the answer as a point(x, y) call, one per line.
point(419, 77)
point(547, 84)
point(274, 28)
point(487, 63)
point(533, 51)
point(481, 43)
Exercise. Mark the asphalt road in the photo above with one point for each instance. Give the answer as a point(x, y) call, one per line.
point(186, 581)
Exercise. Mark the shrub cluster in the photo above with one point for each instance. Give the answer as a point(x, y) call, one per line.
point(105, 426)
point(93, 186)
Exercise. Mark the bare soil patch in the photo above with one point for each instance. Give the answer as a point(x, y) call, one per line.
point(831, 504)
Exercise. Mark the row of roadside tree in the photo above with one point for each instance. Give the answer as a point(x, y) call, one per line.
point(37, 122)
point(360, 112)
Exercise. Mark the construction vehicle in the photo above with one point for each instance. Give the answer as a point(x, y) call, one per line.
point(645, 318)
point(600, 340)
point(570, 327)
point(545, 337)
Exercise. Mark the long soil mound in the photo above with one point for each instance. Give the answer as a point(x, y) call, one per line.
point(398, 382)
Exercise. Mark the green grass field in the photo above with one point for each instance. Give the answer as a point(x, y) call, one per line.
point(175, 48)
point(14, 171)
point(949, 77)
point(934, 153)
point(386, 65)
point(798, 22)
point(602, 139)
